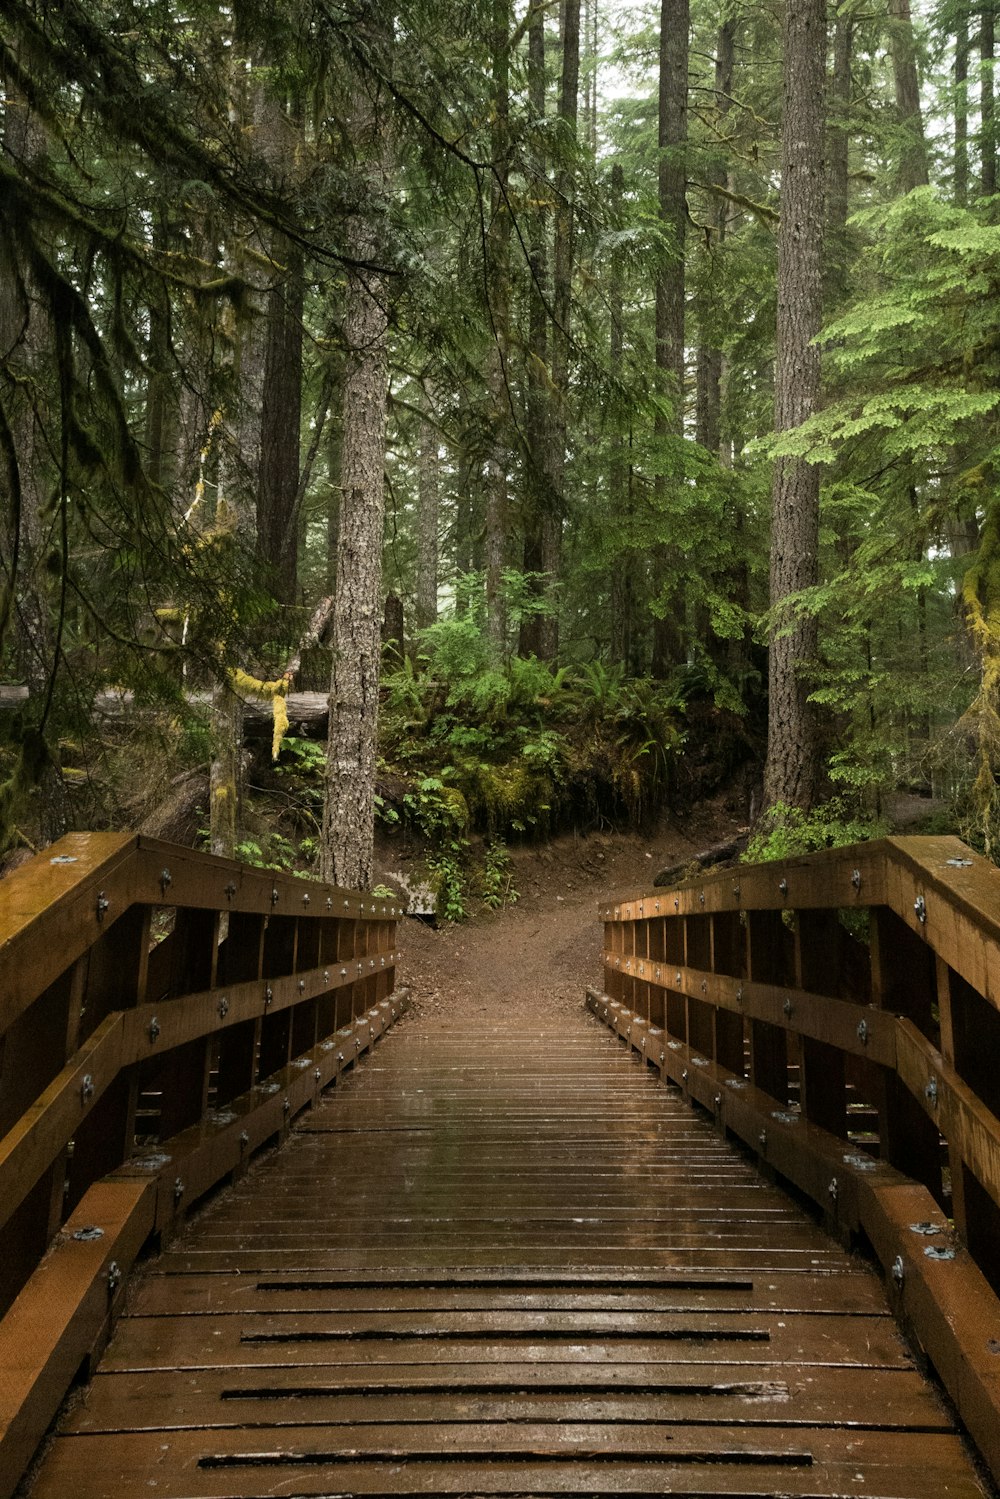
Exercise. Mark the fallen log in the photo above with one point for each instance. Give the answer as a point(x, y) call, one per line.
point(719, 853)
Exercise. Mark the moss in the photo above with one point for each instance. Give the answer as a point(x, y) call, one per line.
point(981, 597)
point(274, 692)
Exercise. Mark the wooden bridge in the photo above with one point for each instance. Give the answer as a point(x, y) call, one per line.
point(499, 1259)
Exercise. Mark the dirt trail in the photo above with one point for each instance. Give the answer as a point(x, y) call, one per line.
point(543, 950)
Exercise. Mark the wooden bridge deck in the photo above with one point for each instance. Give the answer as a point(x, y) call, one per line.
point(505, 1263)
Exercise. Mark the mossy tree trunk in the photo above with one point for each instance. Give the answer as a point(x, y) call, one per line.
point(348, 841)
point(792, 769)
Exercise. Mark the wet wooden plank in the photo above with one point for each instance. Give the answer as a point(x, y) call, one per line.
point(627, 1393)
point(524, 1279)
point(212, 1295)
point(532, 1459)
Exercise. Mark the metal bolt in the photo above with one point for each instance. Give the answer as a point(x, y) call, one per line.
point(305, 900)
point(154, 1031)
point(678, 978)
point(274, 895)
point(677, 904)
point(920, 906)
point(357, 1043)
point(782, 887)
point(230, 889)
point(340, 1057)
point(718, 1100)
point(268, 995)
point(244, 1140)
point(856, 878)
point(318, 1076)
point(656, 905)
point(114, 1277)
point(663, 1057)
point(863, 1032)
point(178, 1189)
point(739, 994)
point(165, 879)
point(326, 975)
point(302, 986)
point(684, 1075)
point(762, 1137)
point(736, 889)
point(787, 1007)
point(832, 1188)
point(223, 1007)
point(286, 1105)
point(103, 906)
point(343, 973)
point(701, 898)
point(931, 1091)
point(704, 986)
point(87, 1088)
point(898, 1270)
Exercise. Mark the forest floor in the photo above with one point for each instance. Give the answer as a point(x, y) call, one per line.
point(544, 949)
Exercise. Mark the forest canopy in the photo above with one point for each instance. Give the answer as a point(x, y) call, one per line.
point(597, 400)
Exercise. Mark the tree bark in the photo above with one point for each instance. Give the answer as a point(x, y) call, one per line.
point(987, 132)
point(539, 497)
point(792, 769)
point(553, 514)
point(838, 145)
point(708, 387)
point(26, 329)
point(913, 149)
point(428, 507)
point(281, 420)
point(348, 839)
point(675, 22)
point(497, 253)
point(961, 163)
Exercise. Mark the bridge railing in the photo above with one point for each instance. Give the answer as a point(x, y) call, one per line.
point(840, 1013)
point(163, 1015)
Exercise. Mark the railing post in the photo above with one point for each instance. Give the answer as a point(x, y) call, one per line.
point(117, 971)
point(903, 981)
point(823, 1091)
point(727, 958)
point(765, 963)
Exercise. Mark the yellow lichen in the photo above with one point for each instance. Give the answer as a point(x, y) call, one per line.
point(981, 597)
point(274, 692)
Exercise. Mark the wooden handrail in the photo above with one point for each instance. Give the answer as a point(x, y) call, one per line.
point(163, 1014)
point(840, 1012)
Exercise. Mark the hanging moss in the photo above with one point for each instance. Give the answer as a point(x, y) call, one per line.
point(981, 597)
point(274, 692)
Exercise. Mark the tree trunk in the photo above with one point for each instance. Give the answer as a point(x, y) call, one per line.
point(913, 150)
point(838, 138)
point(792, 769)
point(708, 387)
point(348, 841)
point(675, 25)
point(961, 165)
point(624, 560)
point(428, 507)
point(539, 497)
point(26, 350)
point(554, 513)
point(987, 136)
point(497, 252)
point(281, 418)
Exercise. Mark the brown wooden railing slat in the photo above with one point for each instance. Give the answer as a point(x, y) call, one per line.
point(867, 1078)
point(158, 1059)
